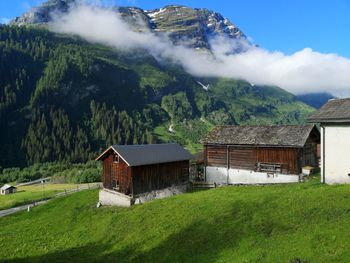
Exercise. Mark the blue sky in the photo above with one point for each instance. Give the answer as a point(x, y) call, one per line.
point(287, 26)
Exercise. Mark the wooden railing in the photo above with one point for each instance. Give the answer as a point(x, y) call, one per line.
point(273, 167)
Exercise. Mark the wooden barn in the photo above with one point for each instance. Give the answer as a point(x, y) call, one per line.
point(259, 154)
point(8, 189)
point(131, 171)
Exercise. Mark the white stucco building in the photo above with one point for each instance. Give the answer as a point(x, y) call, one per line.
point(334, 119)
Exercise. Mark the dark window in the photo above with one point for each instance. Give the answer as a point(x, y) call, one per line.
point(115, 185)
point(116, 158)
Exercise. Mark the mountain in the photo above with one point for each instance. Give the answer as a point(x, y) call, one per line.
point(64, 99)
point(191, 27)
point(316, 100)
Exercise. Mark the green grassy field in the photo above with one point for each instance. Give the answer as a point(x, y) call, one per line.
point(309, 222)
point(30, 193)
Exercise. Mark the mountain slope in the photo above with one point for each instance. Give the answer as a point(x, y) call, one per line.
point(65, 99)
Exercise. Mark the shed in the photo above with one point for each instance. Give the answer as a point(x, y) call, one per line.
point(8, 189)
point(334, 119)
point(259, 154)
point(144, 170)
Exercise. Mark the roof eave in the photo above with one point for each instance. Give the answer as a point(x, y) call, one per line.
point(320, 120)
point(254, 145)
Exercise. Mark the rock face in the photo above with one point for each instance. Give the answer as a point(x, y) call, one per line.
point(191, 27)
point(42, 14)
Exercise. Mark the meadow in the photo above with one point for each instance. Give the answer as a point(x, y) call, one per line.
point(30, 193)
point(305, 222)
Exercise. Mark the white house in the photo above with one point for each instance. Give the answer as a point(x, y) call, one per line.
point(334, 119)
point(8, 189)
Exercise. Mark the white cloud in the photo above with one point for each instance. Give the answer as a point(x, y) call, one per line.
point(302, 72)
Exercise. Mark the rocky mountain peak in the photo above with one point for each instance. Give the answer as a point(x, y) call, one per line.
point(192, 27)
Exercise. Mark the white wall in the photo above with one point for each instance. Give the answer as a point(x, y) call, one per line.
point(219, 175)
point(337, 154)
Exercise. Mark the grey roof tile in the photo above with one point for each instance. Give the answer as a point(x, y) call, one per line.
point(266, 135)
point(335, 110)
point(143, 154)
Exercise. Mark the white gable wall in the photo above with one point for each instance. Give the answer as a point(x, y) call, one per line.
point(336, 166)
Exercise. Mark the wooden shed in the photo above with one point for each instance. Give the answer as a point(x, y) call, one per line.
point(8, 189)
point(259, 154)
point(133, 170)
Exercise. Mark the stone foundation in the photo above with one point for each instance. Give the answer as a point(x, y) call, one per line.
point(163, 193)
point(109, 197)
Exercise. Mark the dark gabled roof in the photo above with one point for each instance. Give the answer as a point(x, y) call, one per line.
point(267, 135)
point(144, 154)
point(335, 110)
point(7, 186)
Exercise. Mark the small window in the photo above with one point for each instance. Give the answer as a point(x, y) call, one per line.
point(115, 185)
point(116, 158)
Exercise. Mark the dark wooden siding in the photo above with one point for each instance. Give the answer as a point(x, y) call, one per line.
point(158, 176)
point(122, 173)
point(288, 157)
point(242, 158)
point(249, 157)
point(310, 153)
point(237, 157)
point(216, 155)
point(116, 173)
point(107, 172)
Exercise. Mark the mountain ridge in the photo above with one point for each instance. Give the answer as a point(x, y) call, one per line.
point(178, 21)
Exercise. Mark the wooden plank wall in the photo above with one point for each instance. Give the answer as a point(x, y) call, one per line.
point(242, 158)
point(310, 153)
point(216, 155)
point(107, 172)
point(122, 173)
point(239, 157)
point(248, 157)
point(286, 156)
point(159, 176)
point(116, 171)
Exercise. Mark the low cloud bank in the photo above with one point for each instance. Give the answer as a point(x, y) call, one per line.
point(306, 71)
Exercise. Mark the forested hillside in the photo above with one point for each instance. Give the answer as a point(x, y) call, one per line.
point(63, 99)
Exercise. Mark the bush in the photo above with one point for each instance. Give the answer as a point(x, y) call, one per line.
point(60, 172)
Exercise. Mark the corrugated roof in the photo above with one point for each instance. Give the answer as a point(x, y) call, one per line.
point(335, 110)
point(7, 186)
point(266, 135)
point(143, 154)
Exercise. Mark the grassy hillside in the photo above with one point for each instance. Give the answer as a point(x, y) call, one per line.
point(308, 222)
